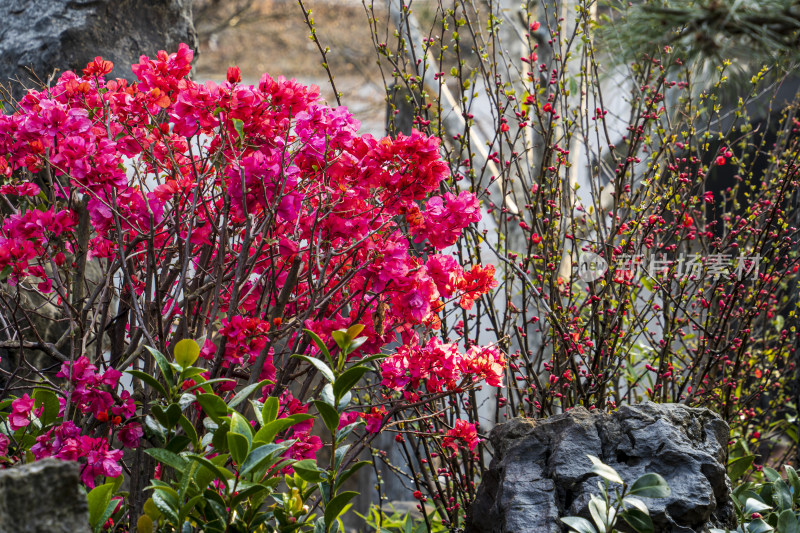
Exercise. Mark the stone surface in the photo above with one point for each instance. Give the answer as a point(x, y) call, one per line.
point(66, 35)
point(43, 497)
point(540, 471)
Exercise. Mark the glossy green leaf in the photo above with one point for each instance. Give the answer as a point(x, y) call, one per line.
point(99, 498)
point(268, 432)
point(344, 476)
point(759, 526)
point(258, 456)
point(186, 352)
point(163, 365)
point(270, 410)
point(787, 522)
point(319, 365)
point(336, 506)
point(47, 399)
point(604, 471)
point(243, 394)
point(168, 458)
point(167, 504)
point(241, 426)
point(308, 470)
point(321, 345)
point(738, 467)
point(151, 381)
point(238, 446)
point(650, 485)
point(205, 385)
point(639, 521)
point(329, 415)
point(581, 525)
point(213, 406)
point(348, 380)
point(781, 495)
point(794, 481)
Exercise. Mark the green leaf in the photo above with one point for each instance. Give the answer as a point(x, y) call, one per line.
point(308, 470)
point(167, 504)
point(321, 345)
point(173, 415)
point(738, 467)
point(369, 359)
point(771, 474)
point(245, 392)
point(319, 365)
point(336, 506)
point(99, 498)
point(219, 471)
point(787, 522)
point(186, 352)
point(186, 399)
point(639, 521)
point(241, 426)
point(49, 400)
point(239, 447)
point(327, 395)
point(329, 415)
point(759, 526)
point(344, 476)
point(150, 380)
point(168, 458)
point(781, 495)
point(752, 505)
point(346, 430)
point(163, 365)
point(354, 330)
point(270, 410)
point(207, 383)
point(794, 480)
point(604, 471)
point(650, 485)
point(348, 380)
point(341, 451)
point(268, 432)
point(601, 514)
point(213, 406)
point(342, 339)
point(581, 525)
point(636, 503)
point(238, 125)
point(178, 443)
point(259, 456)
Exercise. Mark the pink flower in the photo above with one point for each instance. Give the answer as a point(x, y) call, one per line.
point(464, 431)
point(374, 419)
point(20, 412)
point(130, 434)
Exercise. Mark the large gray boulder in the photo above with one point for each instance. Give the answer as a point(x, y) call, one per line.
point(43, 497)
point(540, 471)
point(56, 34)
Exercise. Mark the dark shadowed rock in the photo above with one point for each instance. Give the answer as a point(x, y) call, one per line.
point(43, 497)
point(66, 35)
point(541, 472)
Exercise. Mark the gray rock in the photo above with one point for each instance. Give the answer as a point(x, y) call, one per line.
point(43, 497)
point(56, 34)
point(540, 471)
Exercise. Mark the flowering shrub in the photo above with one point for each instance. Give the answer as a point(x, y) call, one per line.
point(256, 219)
point(643, 225)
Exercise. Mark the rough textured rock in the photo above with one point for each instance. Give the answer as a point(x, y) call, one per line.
point(43, 497)
point(66, 35)
point(540, 471)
